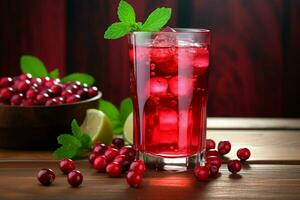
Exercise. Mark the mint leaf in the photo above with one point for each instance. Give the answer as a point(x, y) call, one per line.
point(81, 77)
point(76, 129)
point(157, 19)
point(65, 152)
point(68, 140)
point(118, 129)
point(54, 73)
point(109, 109)
point(117, 30)
point(86, 141)
point(126, 12)
point(125, 109)
point(33, 65)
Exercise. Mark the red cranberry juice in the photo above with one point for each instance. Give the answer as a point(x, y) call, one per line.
point(169, 90)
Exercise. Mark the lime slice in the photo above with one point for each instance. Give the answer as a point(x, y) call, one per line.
point(128, 129)
point(97, 125)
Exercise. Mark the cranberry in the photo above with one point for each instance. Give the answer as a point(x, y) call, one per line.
point(99, 148)
point(53, 102)
point(211, 152)
point(23, 86)
point(213, 160)
point(6, 82)
point(73, 98)
point(111, 153)
point(6, 94)
point(93, 91)
point(16, 99)
point(224, 147)
point(83, 93)
point(234, 166)
point(74, 88)
point(27, 102)
point(210, 144)
point(100, 163)
point(66, 93)
point(201, 173)
point(56, 89)
point(50, 83)
point(114, 169)
point(92, 156)
point(120, 159)
point(66, 165)
point(75, 178)
point(138, 166)
point(31, 93)
point(243, 154)
point(129, 152)
point(42, 98)
point(37, 81)
point(134, 179)
point(24, 77)
point(213, 170)
point(126, 165)
point(46, 176)
point(118, 142)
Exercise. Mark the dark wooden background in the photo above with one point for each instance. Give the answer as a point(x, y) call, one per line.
point(256, 61)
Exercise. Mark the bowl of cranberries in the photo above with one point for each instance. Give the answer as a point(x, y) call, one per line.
point(34, 111)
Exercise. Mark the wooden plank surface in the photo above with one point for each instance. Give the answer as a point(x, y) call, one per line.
point(270, 146)
point(17, 181)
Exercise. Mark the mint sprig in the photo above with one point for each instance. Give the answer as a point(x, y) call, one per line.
point(116, 116)
point(35, 66)
point(126, 14)
point(76, 145)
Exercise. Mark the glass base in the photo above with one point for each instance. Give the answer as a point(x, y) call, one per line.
point(157, 163)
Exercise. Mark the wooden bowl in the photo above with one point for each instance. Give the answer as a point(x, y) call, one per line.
point(37, 127)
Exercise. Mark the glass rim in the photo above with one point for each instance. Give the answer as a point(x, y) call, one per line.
point(180, 31)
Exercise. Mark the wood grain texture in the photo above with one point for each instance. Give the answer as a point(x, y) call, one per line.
point(18, 181)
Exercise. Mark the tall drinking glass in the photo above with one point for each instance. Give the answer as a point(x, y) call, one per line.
point(169, 77)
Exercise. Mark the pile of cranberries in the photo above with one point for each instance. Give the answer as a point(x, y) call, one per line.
point(24, 90)
point(213, 161)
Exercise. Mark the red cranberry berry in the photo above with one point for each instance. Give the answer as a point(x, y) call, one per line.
point(83, 93)
point(224, 147)
point(243, 154)
point(16, 99)
point(118, 142)
point(120, 159)
point(73, 98)
point(213, 170)
point(111, 153)
point(134, 179)
point(66, 93)
point(138, 166)
point(75, 178)
point(66, 166)
point(6, 94)
point(53, 102)
point(114, 169)
point(50, 83)
point(100, 163)
point(27, 102)
point(93, 91)
point(42, 98)
point(234, 166)
point(6, 82)
point(31, 93)
point(92, 156)
point(23, 86)
point(210, 144)
point(24, 77)
point(56, 89)
point(213, 160)
point(129, 152)
point(211, 152)
point(46, 176)
point(201, 173)
point(99, 148)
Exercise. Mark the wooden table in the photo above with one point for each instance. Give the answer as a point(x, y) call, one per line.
point(273, 172)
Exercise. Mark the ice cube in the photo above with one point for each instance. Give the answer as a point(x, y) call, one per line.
point(158, 86)
point(181, 86)
point(165, 38)
point(168, 119)
point(201, 61)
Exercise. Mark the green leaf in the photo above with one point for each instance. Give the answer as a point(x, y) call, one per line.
point(126, 12)
point(76, 129)
point(118, 130)
point(68, 140)
point(117, 30)
point(65, 152)
point(86, 141)
point(54, 73)
point(109, 109)
point(33, 65)
point(125, 109)
point(157, 19)
point(81, 77)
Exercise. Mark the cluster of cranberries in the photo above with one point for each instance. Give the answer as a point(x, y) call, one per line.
point(117, 159)
point(24, 90)
point(67, 166)
point(213, 161)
